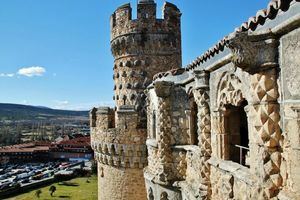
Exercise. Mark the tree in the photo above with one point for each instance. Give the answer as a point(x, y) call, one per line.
point(52, 189)
point(94, 167)
point(38, 193)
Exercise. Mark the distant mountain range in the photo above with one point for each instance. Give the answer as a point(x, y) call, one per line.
point(24, 112)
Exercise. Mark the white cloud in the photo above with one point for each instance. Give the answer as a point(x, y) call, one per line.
point(32, 71)
point(81, 106)
point(61, 104)
point(7, 75)
point(89, 106)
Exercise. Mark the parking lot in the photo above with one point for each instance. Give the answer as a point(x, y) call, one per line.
point(19, 175)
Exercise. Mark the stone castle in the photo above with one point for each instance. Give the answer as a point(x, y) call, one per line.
point(227, 126)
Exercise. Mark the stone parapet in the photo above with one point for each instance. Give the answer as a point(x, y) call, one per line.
point(121, 155)
point(102, 117)
point(122, 22)
point(231, 180)
point(158, 191)
point(116, 135)
point(120, 147)
point(126, 118)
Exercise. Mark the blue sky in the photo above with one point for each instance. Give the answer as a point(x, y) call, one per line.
point(56, 53)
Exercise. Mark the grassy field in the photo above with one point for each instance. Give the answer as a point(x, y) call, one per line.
point(77, 189)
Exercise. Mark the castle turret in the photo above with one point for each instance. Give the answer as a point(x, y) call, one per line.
point(141, 48)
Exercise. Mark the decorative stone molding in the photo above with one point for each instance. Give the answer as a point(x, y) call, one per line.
point(229, 91)
point(120, 155)
point(264, 87)
point(182, 165)
point(201, 79)
point(134, 43)
point(253, 53)
point(204, 122)
point(264, 90)
point(163, 91)
point(201, 96)
point(163, 88)
point(265, 114)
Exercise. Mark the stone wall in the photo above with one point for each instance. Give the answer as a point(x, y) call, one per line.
point(120, 183)
point(120, 152)
point(225, 127)
point(141, 48)
point(290, 111)
point(255, 72)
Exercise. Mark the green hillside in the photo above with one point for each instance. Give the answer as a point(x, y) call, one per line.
point(24, 112)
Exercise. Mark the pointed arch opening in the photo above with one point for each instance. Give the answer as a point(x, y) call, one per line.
point(234, 121)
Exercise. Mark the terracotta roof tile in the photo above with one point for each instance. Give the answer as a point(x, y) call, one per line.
point(261, 16)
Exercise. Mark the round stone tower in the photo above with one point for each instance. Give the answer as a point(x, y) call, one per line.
point(141, 47)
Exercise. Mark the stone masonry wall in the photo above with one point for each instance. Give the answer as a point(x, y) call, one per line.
point(120, 183)
point(141, 48)
point(290, 110)
point(250, 155)
point(226, 127)
point(120, 152)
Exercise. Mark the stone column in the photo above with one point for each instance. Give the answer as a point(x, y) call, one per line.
point(258, 55)
point(163, 92)
point(201, 95)
point(264, 110)
point(219, 135)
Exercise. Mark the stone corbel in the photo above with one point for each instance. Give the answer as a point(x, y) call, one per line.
point(201, 79)
point(253, 53)
point(163, 88)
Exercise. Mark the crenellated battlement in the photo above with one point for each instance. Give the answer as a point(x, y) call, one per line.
point(121, 155)
point(146, 10)
point(120, 144)
point(122, 15)
point(139, 46)
point(147, 21)
point(104, 118)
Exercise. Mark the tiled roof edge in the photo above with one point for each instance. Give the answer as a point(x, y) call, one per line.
point(259, 19)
